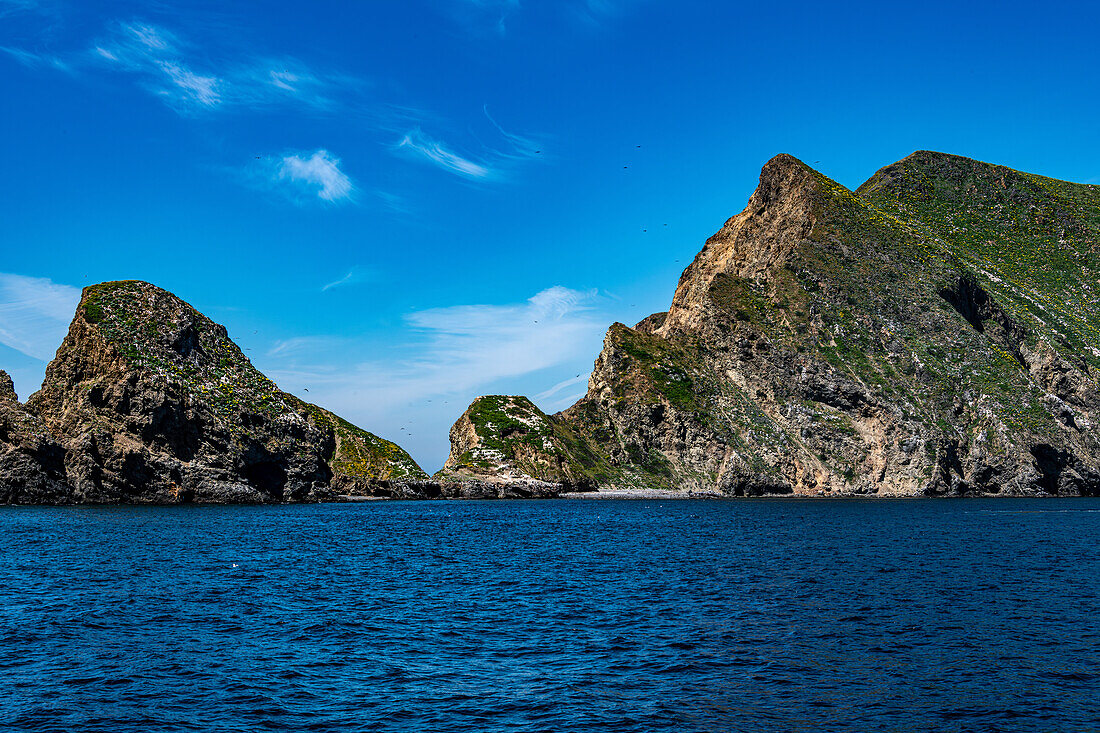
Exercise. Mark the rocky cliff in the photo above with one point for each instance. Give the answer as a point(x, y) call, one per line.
point(932, 332)
point(148, 400)
point(32, 464)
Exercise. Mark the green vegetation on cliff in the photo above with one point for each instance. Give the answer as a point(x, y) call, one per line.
point(505, 437)
point(936, 330)
point(162, 337)
point(152, 401)
point(363, 455)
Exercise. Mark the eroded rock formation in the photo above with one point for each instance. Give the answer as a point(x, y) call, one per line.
point(933, 332)
point(148, 400)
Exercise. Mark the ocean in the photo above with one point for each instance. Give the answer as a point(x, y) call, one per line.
point(567, 615)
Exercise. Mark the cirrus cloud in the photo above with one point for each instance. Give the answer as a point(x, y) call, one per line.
point(35, 314)
point(439, 155)
point(169, 67)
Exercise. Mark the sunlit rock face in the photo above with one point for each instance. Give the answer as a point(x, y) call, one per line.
point(934, 331)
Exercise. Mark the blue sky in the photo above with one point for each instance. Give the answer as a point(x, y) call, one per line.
point(401, 205)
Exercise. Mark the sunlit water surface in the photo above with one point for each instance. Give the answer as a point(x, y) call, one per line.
point(749, 615)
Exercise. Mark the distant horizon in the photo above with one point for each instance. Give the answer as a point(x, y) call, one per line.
point(380, 202)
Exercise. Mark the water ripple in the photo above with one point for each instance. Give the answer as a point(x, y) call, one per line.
point(566, 616)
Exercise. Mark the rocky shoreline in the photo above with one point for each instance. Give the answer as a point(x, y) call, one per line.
point(609, 494)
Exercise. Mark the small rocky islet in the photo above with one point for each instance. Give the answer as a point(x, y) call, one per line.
point(934, 332)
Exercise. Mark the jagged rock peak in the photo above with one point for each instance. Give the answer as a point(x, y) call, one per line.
point(31, 461)
point(7, 387)
point(148, 324)
point(784, 175)
point(779, 215)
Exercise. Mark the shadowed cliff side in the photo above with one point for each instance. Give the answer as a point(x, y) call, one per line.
point(32, 464)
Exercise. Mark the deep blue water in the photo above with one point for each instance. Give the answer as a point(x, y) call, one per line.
point(749, 615)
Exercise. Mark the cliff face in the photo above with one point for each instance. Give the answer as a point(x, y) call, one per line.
point(150, 401)
point(932, 332)
point(32, 464)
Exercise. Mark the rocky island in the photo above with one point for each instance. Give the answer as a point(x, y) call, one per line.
point(149, 401)
point(933, 332)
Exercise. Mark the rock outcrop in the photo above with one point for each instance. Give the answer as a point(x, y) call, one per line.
point(506, 442)
point(32, 464)
point(148, 400)
point(933, 332)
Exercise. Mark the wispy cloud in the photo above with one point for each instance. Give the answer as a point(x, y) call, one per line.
point(454, 354)
point(493, 164)
point(319, 173)
point(354, 276)
point(305, 345)
point(475, 13)
point(152, 38)
point(35, 313)
point(167, 65)
point(200, 78)
point(337, 283)
point(156, 56)
point(189, 86)
point(519, 146)
point(33, 60)
point(393, 202)
point(438, 154)
point(557, 388)
point(9, 7)
point(266, 82)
